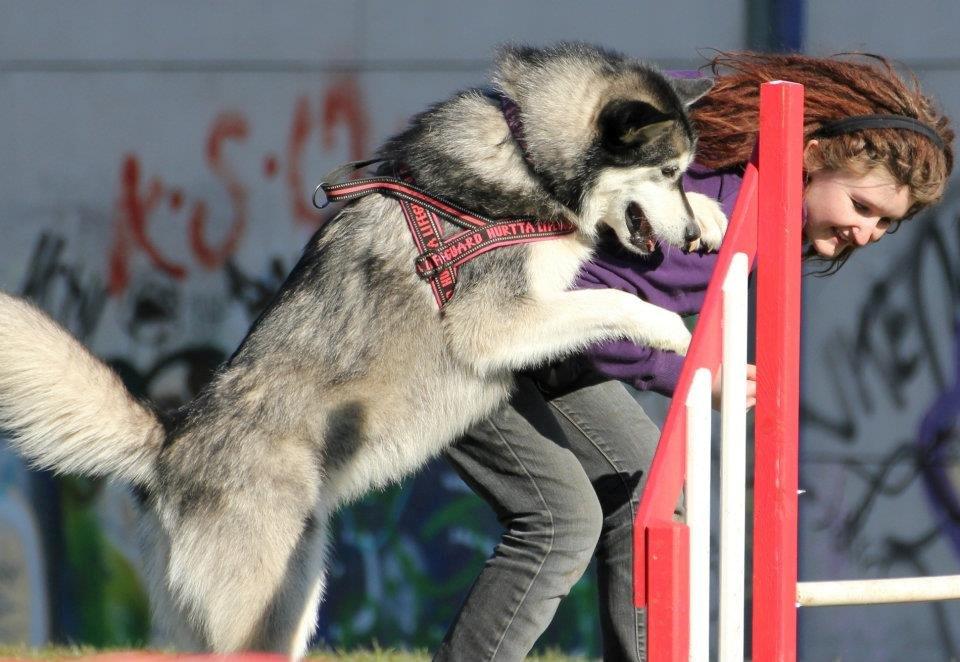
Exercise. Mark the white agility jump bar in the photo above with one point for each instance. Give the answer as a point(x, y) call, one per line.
point(733, 458)
point(878, 591)
point(698, 405)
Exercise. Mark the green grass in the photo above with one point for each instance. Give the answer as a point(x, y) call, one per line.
point(45, 653)
point(376, 654)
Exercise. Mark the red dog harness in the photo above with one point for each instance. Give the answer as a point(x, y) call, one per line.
point(441, 256)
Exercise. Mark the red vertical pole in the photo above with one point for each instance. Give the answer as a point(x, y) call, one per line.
point(780, 200)
point(668, 604)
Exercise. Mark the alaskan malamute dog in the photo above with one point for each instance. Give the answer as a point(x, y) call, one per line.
point(353, 377)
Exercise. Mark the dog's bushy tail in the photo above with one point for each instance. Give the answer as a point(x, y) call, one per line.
point(64, 409)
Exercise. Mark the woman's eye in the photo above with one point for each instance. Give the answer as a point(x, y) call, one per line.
point(859, 206)
point(669, 171)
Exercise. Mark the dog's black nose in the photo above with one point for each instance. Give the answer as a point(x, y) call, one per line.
point(692, 234)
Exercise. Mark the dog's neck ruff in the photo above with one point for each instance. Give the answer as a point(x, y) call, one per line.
point(512, 116)
point(440, 257)
point(511, 113)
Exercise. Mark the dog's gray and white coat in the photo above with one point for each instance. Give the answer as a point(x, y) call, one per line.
point(352, 378)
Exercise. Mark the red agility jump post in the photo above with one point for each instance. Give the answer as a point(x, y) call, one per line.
point(777, 186)
point(778, 373)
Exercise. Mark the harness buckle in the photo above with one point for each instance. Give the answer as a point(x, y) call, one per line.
point(423, 266)
point(320, 199)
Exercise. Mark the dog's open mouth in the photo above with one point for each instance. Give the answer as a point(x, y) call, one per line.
point(641, 232)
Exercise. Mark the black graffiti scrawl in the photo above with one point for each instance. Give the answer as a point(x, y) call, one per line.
point(72, 296)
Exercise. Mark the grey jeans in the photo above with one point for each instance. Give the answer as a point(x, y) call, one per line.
point(564, 476)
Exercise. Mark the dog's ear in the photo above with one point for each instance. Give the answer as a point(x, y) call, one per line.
point(512, 62)
point(626, 123)
point(691, 89)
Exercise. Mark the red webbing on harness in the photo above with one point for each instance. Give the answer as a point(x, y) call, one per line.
point(440, 257)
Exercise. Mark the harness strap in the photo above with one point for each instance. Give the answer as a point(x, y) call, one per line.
point(440, 257)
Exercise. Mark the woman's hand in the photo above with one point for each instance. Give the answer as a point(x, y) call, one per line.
point(751, 387)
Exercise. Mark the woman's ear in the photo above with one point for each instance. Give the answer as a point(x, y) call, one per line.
point(811, 156)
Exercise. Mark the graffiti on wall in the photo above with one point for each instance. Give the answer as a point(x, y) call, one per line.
point(144, 200)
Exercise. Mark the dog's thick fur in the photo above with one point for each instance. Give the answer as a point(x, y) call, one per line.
point(351, 378)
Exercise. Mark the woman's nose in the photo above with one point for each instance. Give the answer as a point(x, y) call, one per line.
point(866, 233)
point(861, 236)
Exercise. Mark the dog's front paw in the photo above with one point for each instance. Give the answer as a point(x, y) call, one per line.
point(669, 332)
point(677, 339)
point(710, 218)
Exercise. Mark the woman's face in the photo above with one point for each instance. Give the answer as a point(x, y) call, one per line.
point(845, 209)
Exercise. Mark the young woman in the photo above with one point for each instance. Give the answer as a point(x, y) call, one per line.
point(563, 464)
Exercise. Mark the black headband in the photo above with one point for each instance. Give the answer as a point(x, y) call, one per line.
point(861, 122)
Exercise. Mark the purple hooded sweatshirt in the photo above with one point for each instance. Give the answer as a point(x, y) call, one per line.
point(668, 278)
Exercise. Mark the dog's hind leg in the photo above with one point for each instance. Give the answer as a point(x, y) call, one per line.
point(229, 566)
point(170, 624)
point(292, 618)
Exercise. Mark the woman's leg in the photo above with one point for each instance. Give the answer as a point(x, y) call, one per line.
point(552, 519)
point(614, 441)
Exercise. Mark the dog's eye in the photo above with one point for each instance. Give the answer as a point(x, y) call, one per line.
point(669, 171)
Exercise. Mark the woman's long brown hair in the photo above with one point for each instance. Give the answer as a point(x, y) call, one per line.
point(836, 87)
